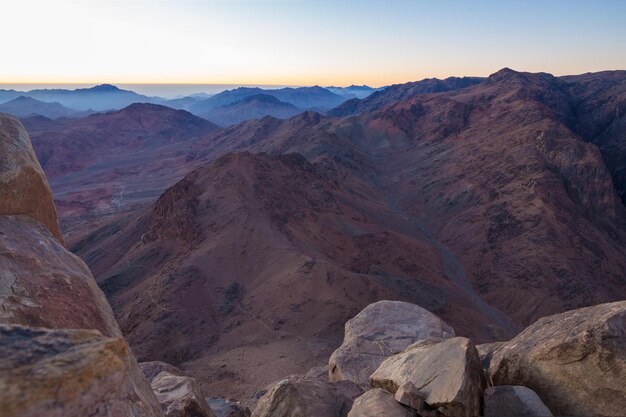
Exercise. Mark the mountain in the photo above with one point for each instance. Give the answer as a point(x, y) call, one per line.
point(396, 92)
point(256, 254)
point(252, 107)
point(110, 161)
point(489, 202)
point(97, 98)
point(303, 97)
point(24, 106)
point(599, 103)
point(354, 91)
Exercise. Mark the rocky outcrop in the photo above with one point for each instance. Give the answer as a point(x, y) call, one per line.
point(514, 401)
point(382, 329)
point(45, 286)
point(486, 351)
point(378, 402)
point(66, 373)
point(24, 188)
point(575, 361)
point(447, 373)
point(301, 397)
point(152, 369)
point(180, 396)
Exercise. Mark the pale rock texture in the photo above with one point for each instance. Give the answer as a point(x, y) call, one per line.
point(380, 330)
point(575, 361)
point(301, 397)
point(447, 372)
point(378, 403)
point(180, 396)
point(24, 188)
point(514, 401)
point(66, 373)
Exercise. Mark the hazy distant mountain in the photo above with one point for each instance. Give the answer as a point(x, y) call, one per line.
point(100, 97)
point(23, 106)
point(354, 91)
point(252, 107)
point(396, 92)
point(8, 95)
point(181, 103)
point(304, 98)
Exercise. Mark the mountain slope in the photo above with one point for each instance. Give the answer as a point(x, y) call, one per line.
point(257, 249)
point(397, 92)
point(109, 161)
point(249, 108)
point(24, 106)
point(302, 97)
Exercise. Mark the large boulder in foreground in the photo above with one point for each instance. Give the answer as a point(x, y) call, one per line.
point(302, 397)
point(446, 373)
point(514, 401)
point(575, 361)
point(42, 284)
point(380, 330)
point(378, 402)
point(24, 188)
point(180, 396)
point(66, 373)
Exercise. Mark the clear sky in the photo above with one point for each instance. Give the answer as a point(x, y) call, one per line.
point(305, 42)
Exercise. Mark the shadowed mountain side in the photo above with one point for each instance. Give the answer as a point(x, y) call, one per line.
point(249, 108)
point(26, 106)
point(254, 250)
point(303, 98)
point(397, 92)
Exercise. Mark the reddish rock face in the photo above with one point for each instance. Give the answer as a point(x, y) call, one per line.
point(108, 163)
point(24, 188)
point(260, 252)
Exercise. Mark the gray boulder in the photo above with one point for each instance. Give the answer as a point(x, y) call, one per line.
point(447, 374)
point(575, 361)
point(514, 401)
point(378, 403)
point(302, 397)
point(180, 396)
point(382, 329)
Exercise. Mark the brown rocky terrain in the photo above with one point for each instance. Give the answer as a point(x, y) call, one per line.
point(484, 204)
point(108, 163)
point(217, 249)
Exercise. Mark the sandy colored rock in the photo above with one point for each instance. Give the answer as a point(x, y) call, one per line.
point(180, 396)
point(382, 329)
point(447, 373)
point(42, 284)
point(378, 402)
point(24, 188)
point(66, 373)
point(408, 395)
point(575, 361)
point(486, 351)
point(514, 401)
point(152, 369)
point(300, 397)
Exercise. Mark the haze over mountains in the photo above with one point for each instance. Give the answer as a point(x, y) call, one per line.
point(490, 202)
point(219, 108)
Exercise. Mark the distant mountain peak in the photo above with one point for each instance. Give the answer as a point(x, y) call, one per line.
point(105, 88)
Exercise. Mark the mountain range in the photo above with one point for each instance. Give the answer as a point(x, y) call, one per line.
point(489, 201)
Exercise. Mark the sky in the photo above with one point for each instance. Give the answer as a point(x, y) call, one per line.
point(303, 42)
